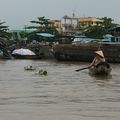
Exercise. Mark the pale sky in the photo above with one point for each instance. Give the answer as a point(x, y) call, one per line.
point(18, 13)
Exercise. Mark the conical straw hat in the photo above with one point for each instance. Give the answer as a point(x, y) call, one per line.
point(100, 53)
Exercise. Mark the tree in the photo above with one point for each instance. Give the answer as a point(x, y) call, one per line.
point(43, 25)
point(4, 31)
point(4, 37)
point(95, 32)
point(108, 23)
point(98, 31)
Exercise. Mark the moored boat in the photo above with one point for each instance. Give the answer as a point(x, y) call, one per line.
point(101, 69)
point(17, 56)
point(24, 54)
point(85, 51)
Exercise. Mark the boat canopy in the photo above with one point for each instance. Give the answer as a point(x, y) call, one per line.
point(22, 51)
point(45, 34)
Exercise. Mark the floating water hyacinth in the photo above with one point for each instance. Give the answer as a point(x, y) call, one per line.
point(29, 68)
point(39, 72)
point(42, 72)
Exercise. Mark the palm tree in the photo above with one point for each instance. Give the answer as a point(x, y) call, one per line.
point(4, 37)
point(4, 34)
point(43, 25)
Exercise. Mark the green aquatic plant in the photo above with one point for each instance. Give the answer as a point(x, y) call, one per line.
point(42, 72)
point(29, 68)
point(45, 72)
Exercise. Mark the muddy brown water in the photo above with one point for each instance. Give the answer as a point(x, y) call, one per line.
point(62, 94)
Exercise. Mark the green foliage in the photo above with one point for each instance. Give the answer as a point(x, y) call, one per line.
point(23, 34)
point(107, 23)
point(95, 32)
point(29, 68)
point(4, 31)
point(99, 30)
point(42, 72)
point(43, 25)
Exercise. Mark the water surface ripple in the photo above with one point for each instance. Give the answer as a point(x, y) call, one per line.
point(62, 94)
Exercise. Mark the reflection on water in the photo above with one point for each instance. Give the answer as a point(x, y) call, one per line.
point(62, 94)
point(102, 77)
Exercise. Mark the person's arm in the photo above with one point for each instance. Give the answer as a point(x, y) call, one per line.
point(93, 62)
point(103, 60)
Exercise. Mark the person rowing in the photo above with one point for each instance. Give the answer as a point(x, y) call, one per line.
point(99, 58)
point(99, 65)
point(98, 61)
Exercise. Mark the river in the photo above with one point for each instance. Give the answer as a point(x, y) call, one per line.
point(63, 94)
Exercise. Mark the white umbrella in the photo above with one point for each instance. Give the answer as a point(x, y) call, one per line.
point(23, 52)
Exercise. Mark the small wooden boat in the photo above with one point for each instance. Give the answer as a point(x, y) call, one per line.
point(101, 69)
point(16, 56)
point(24, 54)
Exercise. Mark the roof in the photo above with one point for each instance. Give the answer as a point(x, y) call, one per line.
point(55, 20)
point(45, 34)
point(93, 19)
point(23, 30)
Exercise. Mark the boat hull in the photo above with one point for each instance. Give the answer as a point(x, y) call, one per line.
point(85, 51)
point(101, 69)
point(16, 56)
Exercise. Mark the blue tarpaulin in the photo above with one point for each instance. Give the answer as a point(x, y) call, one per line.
point(45, 34)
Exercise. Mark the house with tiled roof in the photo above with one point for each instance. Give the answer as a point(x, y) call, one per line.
point(89, 21)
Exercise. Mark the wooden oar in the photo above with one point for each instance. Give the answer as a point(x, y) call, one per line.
point(82, 69)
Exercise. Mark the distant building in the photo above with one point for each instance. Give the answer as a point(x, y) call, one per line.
point(89, 21)
point(70, 25)
point(57, 24)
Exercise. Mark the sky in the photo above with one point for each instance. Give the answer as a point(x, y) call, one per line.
point(18, 13)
